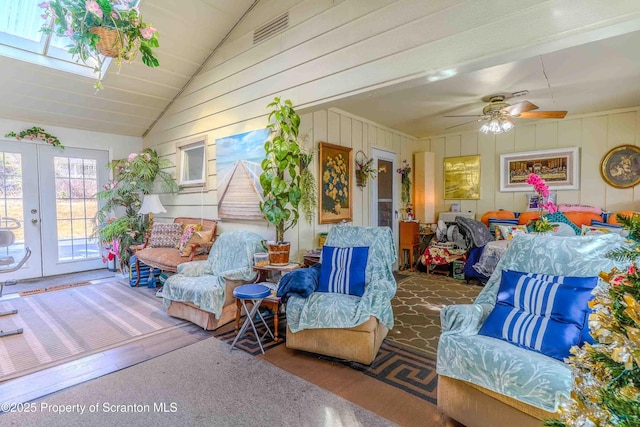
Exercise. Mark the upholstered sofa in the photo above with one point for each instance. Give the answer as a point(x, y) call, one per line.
point(346, 326)
point(202, 291)
point(168, 258)
point(486, 381)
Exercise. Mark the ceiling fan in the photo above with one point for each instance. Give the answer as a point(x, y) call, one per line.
point(497, 114)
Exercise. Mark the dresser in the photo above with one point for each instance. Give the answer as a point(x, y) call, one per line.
point(409, 242)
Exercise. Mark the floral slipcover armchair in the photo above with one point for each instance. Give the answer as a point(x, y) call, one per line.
point(330, 310)
point(525, 375)
point(203, 282)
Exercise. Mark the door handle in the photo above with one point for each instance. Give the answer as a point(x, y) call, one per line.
point(34, 220)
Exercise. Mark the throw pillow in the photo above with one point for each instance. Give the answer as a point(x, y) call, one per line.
point(198, 237)
point(560, 217)
point(493, 222)
point(506, 232)
point(343, 270)
point(611, 228)
point(189, 229)
point(165, 235)
point(544, 313)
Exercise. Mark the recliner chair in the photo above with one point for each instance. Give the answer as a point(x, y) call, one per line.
point(347, 326)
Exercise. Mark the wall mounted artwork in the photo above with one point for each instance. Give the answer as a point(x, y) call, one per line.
point(238, 168)
point(335, 183)
point(462, 178)
point(620, 167)
point(558, 167)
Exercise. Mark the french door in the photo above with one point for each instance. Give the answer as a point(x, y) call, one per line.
point(384, 192)
point(52, 193)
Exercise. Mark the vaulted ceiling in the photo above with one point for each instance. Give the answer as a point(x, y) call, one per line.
point(591, 77)
point(134, 95)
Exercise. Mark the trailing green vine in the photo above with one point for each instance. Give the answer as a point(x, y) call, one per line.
point(308, 187)
point(36, 133)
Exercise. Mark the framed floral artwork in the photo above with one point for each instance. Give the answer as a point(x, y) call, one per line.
point(620, 167)
point(335, 183)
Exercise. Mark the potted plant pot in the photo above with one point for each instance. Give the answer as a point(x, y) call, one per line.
point(278, 253)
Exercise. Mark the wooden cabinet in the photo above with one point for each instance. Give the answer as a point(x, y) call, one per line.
point(409, 241)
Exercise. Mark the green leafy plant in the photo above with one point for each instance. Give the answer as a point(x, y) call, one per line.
point(308, 187)
point(36, 133)
point(405, 180)
point(78, 21)
point(365, 171)
point(133, 177)
point(280, 179)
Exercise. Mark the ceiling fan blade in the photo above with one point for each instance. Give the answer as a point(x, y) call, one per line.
point(468, 115)
point(543, 115)
point(519, 108)
point(465, 123)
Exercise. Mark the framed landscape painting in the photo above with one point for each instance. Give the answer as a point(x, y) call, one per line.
point(335, 183)
point(462, 178)
point(558, 167)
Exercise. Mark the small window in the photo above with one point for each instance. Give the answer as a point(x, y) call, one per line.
point(192, 163)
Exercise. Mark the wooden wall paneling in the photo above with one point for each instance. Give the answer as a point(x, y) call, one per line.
point(506, 143)
point(594, 136)
point(570, 135)
point(469, 147)
point(489, 163)
point(305, 236)
point(636, 189)
point(320, 131)
point(333, 128)
point(546, 134)
point(359, 199)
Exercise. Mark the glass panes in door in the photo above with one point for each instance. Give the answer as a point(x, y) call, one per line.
point(11, 206)
point(385, 193)
point(76, 186)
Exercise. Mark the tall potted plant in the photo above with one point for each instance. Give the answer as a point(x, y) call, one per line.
point(280, 179)
point(133, 177)
point(99, 29)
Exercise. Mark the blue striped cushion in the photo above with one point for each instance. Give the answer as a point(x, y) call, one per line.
point(343, 270)
point(545, 316)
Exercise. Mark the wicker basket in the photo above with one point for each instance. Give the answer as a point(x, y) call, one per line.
point(110, 43)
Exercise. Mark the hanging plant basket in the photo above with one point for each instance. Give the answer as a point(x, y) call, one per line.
point(110, 42)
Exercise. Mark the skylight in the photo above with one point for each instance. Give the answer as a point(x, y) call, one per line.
point(21, 38)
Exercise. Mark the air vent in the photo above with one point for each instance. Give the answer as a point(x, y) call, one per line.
point(271, 28)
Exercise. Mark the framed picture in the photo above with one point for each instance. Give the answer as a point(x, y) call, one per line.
point(533, 200)
point(335, 183)
point(462, 177)
point(620, 167)
point(558, 167)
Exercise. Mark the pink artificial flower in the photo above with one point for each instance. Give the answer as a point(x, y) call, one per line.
point(69, 32)
point(18, 138)
point(93, 7)
point(44, 5)
point(50, 139)
point(132, 156)
point(550, 207)
point(616, 281)
point(44, 16)
point(632, 270)
point(147, 32)
point(115, 15)
point(147, 156)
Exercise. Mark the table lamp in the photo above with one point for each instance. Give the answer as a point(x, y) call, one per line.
point(151, 205)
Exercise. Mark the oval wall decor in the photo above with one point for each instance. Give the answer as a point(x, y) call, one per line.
point(620, 167)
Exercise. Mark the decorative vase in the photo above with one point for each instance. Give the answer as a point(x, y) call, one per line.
point(278, 253)
point(110, 41)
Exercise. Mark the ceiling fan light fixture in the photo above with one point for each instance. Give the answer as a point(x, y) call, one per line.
point(497, 125)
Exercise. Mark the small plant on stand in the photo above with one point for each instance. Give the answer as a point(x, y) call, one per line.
point(405, 180)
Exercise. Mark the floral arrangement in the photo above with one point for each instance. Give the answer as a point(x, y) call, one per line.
point(335, 184)
point(541, 224)
point(606, 375)
point(405, 179)
point(365, 171)
point(78, 19)
point(36, 133)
